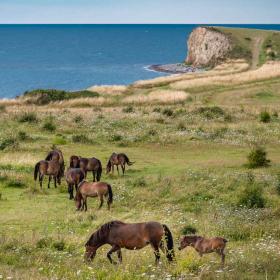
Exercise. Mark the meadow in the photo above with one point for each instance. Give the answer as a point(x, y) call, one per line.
point(190, 137)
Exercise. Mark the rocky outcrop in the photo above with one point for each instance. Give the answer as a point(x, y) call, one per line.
point(207, 47)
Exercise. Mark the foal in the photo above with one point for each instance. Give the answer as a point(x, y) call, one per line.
point(132, 237)
point(58, 156)
point(205, 245)
point(118, 159)
point(91, 189)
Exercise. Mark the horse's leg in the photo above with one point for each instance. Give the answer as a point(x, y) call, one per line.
point(156, 252)
point(113, 249)
point(55, 181)
point(101, 200)
point(113, 169)
point(119, 252)
point(50, 178)
point(85, 203)
point(118, 169)
point(41, 177)
point(123, 169)
point(222, 254)
point(93, 174)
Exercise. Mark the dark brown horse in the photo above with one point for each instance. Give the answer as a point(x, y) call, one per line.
point(49, 168)
point(118, 159)
point(87, 164)
point(132, 237)
point(74, 176)
point(91, 189)
point(205, 245)
point(57, 155)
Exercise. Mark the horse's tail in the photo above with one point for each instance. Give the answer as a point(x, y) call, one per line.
point(36, 170)
point(127, 160)
point(99, 171)
point(110, 194)
point(170, 254)
point(109, 166)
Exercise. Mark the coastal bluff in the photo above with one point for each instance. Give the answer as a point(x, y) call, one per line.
point(207, 47)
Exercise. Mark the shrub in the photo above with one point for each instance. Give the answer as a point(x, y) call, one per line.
point(78, 119)
point(157, 110)
point(116, 137)
point(59, 245)
point(22, 135)
point(168, 112)
point(139, 182)
point(252, 196)
point(188, 230)
point(15, 184)
point(265, 117)
point(80, 138)
point(128, 109)
point(49, 125)
point(9, 142)
point(29, 117)
point(59, 140)
point(152, 132)
point(211, 112)
point(43, 243)
point(181, 126)
point(258, 158)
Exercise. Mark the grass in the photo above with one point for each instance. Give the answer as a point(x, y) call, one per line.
point(190, 173)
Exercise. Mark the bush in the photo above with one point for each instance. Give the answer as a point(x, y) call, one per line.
point(257, 158)
point(49, 125)
point(188, 230)
point(116, 137)
point(59, 245)
point(265, 117)
point(9, 142)
point(43, 243)
point(59, 140)
point(78, 119)
point(22, 135)
point(139, 182)
point(168, 112)
point(80, 138)
point(45, 96)
point(211, 112)
point(128, 109)
point(29, 117)
point(15, 184)
point(252, 196)
point(157, 110)
point(181, 126)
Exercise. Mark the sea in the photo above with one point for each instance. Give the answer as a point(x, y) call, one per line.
point(75, 57)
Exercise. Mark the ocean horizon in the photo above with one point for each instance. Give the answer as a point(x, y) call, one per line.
point(77, 56)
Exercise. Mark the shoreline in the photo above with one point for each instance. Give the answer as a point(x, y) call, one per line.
point(174, 68)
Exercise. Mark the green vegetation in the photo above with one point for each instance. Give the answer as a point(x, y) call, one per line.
point(258, 158)
point(45, 96)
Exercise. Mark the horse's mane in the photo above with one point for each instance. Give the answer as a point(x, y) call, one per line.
point(102, 232)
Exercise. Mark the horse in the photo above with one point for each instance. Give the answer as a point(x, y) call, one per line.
point(51, 168)
point(91, 189)
point(118, 159)
point(132, 237)
point(57, 155)
point(205, 245)
point(88, 164)
point(74, 176)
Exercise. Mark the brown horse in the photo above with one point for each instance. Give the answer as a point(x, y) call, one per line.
point(91, 189)
point(132, 237)
point(50, 168)
point(204, 245)
point(118, 159)
point(87, 164)
point(74, 176)
point(57, 155)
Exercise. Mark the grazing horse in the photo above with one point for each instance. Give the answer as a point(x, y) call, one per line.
point(132, 237)
point(57, 155)
point(118, 159)
point(74, 176)
point(205, 245)
point(50, 168)
point(87, 164)
point(91, 189)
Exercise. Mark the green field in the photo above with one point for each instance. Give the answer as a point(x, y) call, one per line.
point(190, 172)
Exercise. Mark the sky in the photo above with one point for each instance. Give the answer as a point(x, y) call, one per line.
point(140, 11)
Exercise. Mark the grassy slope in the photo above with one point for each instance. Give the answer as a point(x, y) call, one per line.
point(246, 40)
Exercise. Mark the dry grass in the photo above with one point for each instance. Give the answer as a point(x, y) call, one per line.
point(83, 102)
point(109, 90)
point(267, 71)
point(158, 96)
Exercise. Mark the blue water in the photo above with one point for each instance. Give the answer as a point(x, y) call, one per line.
point(73, 57)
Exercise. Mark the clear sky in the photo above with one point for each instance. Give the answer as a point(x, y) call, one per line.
point(139, 11)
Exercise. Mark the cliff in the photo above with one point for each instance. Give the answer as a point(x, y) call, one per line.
point(207, 47)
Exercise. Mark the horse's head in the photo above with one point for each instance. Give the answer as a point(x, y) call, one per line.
point(78, 201)
point(90, 253)
point(75, 162)
point(186, 241)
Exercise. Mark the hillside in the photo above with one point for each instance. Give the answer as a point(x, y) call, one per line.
point(190, 136)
